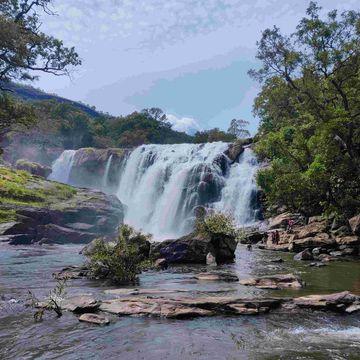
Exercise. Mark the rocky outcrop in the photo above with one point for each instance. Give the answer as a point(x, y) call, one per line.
point(96, 319)
point(355, 224)
point(194, 248)
point(89, 165)
point(237, 148)
point(57, 213)
point(33, 168)
point(279, 281)
point(324, 236)
point(184, 307)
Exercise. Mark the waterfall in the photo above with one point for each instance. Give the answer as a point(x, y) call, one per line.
point(106, 173)
point(161, 185)
point(61, 167)
point(239, 192)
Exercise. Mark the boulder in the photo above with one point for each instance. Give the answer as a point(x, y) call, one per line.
point(218, 276)
point(315, 241)
point(33, 168)
point(311, 229)
point(94, 319)
point(194, 248)
point(280, 221)
point(237, 148)
point(279, 281)
point(354, 223)
point(304, 255)
point(55, 234)
point(335, 302)
point(81, 304)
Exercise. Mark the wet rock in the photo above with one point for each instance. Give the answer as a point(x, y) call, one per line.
point(237, 148)
point(187, 307)
point(354, 223)
point(33, 168)
point(217, 277)
point(94, 319)
point(304, 255)
point(335, 302)
point(81, 304)
point(336, 253)
point(279, 281)
point(194, 248)
point(277, 260)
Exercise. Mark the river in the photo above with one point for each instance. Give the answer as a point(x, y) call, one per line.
point(305, 335)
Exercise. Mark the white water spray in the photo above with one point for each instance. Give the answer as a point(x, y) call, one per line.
point(61, 168)
point(105, 180)
point(161, 185)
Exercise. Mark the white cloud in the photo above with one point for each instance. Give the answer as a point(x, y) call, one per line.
point(185, 124)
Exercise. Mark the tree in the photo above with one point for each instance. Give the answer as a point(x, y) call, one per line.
point(24, 49)
point(238, 128)
point(309, 108)
point(155, 113)
point(212, 135)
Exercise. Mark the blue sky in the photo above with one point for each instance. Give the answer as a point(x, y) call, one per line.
point(189, 57)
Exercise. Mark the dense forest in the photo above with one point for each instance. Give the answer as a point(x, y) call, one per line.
point(309, 107)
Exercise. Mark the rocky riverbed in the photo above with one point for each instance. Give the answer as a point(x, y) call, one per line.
point(281, 331)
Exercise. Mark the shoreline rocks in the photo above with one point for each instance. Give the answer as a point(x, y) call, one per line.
point(274, 282)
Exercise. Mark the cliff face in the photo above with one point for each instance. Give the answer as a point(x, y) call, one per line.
point(35, 210)
point(89, 167)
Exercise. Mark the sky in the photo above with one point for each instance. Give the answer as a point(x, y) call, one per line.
point(188, 57)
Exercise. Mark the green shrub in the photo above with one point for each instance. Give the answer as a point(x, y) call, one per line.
point(120, 261)
point(216, 224)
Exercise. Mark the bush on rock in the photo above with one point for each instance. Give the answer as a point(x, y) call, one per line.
point(120, 261)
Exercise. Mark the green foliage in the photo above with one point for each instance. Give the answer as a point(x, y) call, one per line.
point(25, 48)
point(215, 224)
point(21, 188)
point(118, 262)
point(7, 215)
point(309, 108)
point(51, 303)
point(238, 128)
point(213, 135)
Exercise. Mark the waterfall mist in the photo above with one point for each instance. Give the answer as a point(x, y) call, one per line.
point(161, 185)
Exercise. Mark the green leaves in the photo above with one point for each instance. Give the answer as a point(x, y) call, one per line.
point(309, 108)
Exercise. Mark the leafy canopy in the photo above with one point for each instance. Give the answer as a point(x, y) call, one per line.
point(309, 108)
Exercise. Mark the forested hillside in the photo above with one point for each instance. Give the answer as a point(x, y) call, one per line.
point(309, 108)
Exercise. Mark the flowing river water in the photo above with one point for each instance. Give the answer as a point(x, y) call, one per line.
point(305, 335)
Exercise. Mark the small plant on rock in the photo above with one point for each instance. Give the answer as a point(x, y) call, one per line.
point(51, 303)
point(120, 261)
point(216, 224)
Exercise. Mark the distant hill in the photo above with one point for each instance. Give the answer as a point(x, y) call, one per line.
point(29, 93)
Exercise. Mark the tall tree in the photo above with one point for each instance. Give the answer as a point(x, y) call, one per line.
point(309, 108)
point(238, 128)
point(24, 48)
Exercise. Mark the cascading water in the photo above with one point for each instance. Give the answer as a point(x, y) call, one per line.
point(161, 185)
point(61, 168)
point(238, 196)
point(106, 173)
